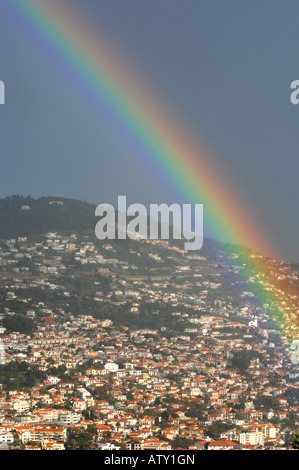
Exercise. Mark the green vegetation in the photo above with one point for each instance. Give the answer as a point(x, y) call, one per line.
point(19, 375)
point(18, 323)
point(80, 439)
point(295, 442)
point(21, 216)
point(241, 359)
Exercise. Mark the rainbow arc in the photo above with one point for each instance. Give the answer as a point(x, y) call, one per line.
point(106, 77)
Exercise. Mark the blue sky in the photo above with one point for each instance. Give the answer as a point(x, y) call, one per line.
point(226, 66)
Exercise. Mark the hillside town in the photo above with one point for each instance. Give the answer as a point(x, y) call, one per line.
point(145, 348)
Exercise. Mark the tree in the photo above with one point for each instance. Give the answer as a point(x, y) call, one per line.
point(295, 442)
point(19, 323)
point(181, 442)
point(80, 439)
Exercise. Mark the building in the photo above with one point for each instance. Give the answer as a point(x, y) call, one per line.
point(251, 438)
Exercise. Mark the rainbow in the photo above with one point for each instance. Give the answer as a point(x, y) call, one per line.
point(109, 81)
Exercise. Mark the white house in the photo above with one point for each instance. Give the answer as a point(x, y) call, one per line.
point(6, 437)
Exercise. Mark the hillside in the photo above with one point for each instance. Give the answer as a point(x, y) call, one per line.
point(26, 216)
point(84, 265)
point(23, 216)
